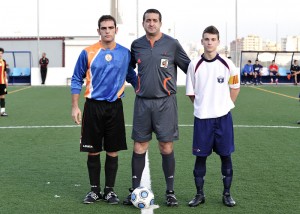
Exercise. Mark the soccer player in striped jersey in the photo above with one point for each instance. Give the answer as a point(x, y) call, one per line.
point(213, 85)
point(3, 83)
point(105, 65)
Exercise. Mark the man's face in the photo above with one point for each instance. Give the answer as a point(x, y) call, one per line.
point(152, 24)
point(107, 31)
point(1, 54)
point(210, 42)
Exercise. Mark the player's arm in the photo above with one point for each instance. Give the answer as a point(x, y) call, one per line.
point(76, 85)
point(234, 92)
point(234, 82)
point(131, 76)
point(190, 82)
point(76, 113)
point(192, 98)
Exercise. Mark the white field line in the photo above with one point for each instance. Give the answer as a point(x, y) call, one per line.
point(146, 182)
point(182, 125)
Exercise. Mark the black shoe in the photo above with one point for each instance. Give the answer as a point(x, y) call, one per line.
point(171, 199)
point(127, 200)
point(111, 197)
point(3, 114)
point(92, 197)
point(199, 199)
point(228, 200)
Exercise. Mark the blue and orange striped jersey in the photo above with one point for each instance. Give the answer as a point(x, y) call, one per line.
point(2, 71)
point(105, 70)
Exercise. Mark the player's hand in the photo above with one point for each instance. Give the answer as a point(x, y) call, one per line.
point(76, 115)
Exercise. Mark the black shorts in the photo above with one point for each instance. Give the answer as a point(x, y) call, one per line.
point(3, 89)
point(103, 127)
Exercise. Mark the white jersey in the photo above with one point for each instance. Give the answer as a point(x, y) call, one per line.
point(209, 81)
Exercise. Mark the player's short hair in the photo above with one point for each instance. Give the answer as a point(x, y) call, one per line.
point(295, 60)
point(152, 11)
point(249, 61)
point(211, 30)
point(105, 18)
point(2, 50)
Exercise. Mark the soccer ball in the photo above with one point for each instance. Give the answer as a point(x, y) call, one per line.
point(142, 197)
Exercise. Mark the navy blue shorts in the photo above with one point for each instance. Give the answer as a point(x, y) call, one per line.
point(213, 135)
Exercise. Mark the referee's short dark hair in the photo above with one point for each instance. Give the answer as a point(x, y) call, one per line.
point(153, 11)
point(2, 50)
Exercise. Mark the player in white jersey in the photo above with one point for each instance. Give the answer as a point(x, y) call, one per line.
point(213, 85)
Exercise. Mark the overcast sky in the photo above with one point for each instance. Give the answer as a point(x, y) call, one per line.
point(187, 17)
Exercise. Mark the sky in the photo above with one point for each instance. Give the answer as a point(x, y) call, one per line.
point(183, 19)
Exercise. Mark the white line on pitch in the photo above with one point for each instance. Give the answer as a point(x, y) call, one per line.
point(128, 125)
point(146, 182)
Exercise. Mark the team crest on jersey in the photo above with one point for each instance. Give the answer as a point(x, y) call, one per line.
point(108, 57)
point(220, 79)
point(164, 63)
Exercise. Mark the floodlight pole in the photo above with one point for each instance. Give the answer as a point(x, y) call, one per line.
point(137, 18)
point(38, 32)
point(236, 35)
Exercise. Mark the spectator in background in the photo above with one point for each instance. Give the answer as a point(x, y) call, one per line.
point(44, 66)
point(295, 71)
point(273, 69)
point(247, 73)
point(257, 68)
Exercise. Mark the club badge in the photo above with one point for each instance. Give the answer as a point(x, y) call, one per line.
point(220, 79)
point(164, 63)
point(108, 57)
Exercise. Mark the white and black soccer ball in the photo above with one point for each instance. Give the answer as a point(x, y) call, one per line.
point(142, 197)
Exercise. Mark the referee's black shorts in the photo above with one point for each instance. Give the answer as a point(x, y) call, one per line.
point(103, 126)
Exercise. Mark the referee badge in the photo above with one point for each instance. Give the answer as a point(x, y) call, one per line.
point(108, 57)
point(164, 63)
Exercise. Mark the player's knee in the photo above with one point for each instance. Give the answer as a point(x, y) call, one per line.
point(112, 154)
point(140, 147)
point(166, 147)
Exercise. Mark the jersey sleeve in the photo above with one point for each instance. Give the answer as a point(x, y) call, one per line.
point(181, 58)
point(190, 80)
point(234, 80)
point(79, 73)
point(131, 76)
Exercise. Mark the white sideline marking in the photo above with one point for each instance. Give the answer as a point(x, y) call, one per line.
point(146, 182)
point(182, 125)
